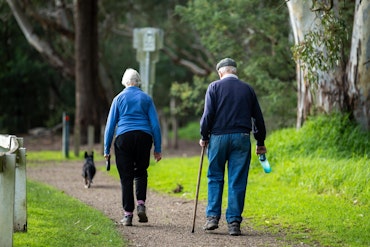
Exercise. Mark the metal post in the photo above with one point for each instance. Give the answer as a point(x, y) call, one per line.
point(65, 137)
point(147, 72)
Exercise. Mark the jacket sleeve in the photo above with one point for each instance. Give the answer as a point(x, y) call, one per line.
point(110, 126)
point(259, 128)
point(156, 130)
point(207, 119)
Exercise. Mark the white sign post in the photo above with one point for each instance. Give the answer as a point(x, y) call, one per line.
point(147, 41)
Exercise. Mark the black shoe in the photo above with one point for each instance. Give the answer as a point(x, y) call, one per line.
point(127, 220)
point(142, 214)
point(234, 228)
point(212, 223)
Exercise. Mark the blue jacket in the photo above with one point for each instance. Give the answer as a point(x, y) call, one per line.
point(231, 106)
point(132, 109)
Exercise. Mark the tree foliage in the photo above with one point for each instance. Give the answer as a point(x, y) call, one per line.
point(31, 94)
point(254, 33)
point(182, 56)
point(53, 23)
point(197, 34)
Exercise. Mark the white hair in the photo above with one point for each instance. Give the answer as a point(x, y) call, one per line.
point(131, 78)
point(229, 69)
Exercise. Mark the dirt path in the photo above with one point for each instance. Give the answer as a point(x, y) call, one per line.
point(170, 219)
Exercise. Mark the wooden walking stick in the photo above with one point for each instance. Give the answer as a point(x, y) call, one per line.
point(198, 185)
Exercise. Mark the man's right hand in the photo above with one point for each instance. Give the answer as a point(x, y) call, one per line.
point(203, 143)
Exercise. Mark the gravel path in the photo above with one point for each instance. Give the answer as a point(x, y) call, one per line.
point(170, 218)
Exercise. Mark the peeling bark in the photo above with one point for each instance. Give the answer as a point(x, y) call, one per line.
point(338, 89)
point(301, 21)
point(358, 69)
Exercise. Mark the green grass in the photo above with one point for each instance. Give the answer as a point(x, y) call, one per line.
point(272, 204)
point(37, 158)
point(318, 191)
point(55, 219)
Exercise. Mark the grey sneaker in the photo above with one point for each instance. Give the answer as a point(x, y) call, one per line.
point(127, 220)
point(141, 212)
point(212, 223)
point(234, 228)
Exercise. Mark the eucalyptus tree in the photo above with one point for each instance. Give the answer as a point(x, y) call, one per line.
point(332, 49)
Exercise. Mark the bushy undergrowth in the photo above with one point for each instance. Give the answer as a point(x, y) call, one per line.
point(334, 136)
point(329, 154)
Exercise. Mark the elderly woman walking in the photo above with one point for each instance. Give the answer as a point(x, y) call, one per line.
point(134, 121)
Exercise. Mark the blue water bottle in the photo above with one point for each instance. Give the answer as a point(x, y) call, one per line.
point(265, 163)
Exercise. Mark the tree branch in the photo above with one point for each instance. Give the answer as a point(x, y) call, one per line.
point(186, 63)
point(322, 7)
point(43, 47)
point(48, 23)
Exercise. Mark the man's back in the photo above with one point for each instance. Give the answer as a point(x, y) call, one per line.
point(231, 102)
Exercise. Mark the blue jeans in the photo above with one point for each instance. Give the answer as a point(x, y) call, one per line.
point(235, 149)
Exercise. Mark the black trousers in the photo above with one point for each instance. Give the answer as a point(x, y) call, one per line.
point(132, 150)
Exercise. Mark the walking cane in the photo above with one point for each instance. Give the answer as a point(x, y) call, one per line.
point(198, 184)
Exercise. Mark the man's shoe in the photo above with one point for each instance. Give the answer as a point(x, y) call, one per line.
point(234, 228)
point(142, 214)
point(212, 223)
point(127, 220)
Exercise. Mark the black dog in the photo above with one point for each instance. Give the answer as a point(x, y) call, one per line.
point(88, 169)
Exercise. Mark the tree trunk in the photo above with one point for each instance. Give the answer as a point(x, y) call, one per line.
point(300, 18)
point(332, 92)
point(91, 104)
point(358, 69)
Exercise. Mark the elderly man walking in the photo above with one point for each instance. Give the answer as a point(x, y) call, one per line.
point(231, 111)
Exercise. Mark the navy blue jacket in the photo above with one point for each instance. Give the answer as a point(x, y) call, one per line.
point(231, 106)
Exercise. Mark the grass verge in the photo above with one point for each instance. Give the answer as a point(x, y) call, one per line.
point(35, 158)
point(55, 219)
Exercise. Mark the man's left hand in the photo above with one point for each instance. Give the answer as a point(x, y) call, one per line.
point(261, 150)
